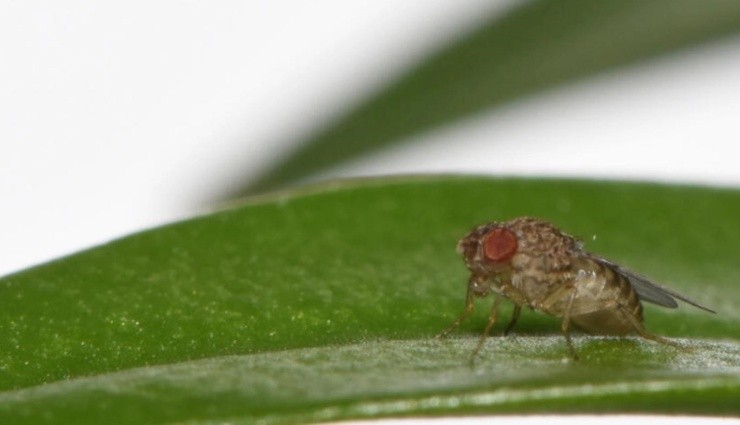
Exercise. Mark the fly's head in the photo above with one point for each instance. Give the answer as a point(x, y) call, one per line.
point(488, 250)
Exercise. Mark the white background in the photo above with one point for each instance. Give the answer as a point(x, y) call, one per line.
point(117, 116)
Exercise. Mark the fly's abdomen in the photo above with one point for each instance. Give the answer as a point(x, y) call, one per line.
point(603, 298)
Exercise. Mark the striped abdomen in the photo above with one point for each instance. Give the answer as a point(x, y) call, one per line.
point(603, 298)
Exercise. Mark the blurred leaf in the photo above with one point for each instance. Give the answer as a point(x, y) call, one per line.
point(539, 45)
point(321, 304)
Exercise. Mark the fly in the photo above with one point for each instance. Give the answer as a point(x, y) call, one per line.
point(533, 264)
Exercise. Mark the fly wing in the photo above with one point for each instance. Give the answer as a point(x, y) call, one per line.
point(650, 291)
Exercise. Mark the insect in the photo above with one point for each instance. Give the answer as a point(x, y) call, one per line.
point(533, 264)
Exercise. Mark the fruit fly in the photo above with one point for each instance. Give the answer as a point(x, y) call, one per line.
point(533, 264)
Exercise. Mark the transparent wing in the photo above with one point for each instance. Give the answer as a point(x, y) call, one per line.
point(648, 290)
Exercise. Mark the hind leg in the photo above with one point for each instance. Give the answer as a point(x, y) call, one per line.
point(565, 325)
point(640, 329)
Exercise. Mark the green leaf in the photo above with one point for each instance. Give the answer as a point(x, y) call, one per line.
point(322, 304)
point(537, 46)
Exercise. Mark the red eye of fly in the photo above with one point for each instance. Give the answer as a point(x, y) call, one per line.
point(499, 245)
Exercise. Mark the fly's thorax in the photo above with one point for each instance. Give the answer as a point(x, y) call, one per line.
point(537, 284)
point(535, 272)
point(543, 259)
point(542, 245)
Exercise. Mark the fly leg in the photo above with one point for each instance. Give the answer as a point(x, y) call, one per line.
point(565, 325)
point(551, 300)
point(489, 325)
point(514, 318)
point(516, 297)
point(469, 305)
point(640, 329)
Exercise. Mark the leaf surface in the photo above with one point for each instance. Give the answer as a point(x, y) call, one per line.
point(322, 303)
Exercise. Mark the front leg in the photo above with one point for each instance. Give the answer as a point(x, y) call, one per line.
point(469, 306)
point(491, 321)
point(508, 291)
